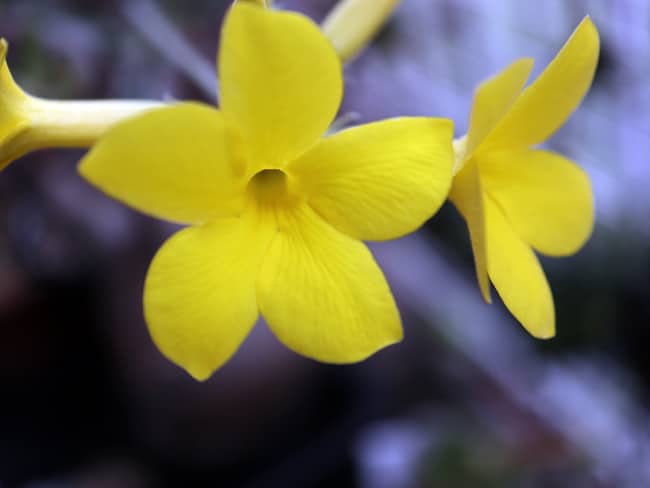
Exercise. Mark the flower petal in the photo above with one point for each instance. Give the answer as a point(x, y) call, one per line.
point(281, 82)
point(322, 293)
point(546, 104)
point(492, 100)
point(199, 295)
point(517, 275)
point(467, 195)
point(381, 180)
point(546, 198)
point(175, 163)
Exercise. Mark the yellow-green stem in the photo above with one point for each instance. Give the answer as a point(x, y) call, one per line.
point(48, 123)
point(352, 24)
point(80, 123)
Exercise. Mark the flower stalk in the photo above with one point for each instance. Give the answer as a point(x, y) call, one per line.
point(352, 24)
point(29, 123)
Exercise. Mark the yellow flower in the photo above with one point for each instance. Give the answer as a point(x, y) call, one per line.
point(28, 123)
point(276, 212)
point(514, 198)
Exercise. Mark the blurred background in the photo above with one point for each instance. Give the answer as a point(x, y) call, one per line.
point(468, 399)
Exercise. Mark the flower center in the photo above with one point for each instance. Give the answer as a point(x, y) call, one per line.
point(271, 186)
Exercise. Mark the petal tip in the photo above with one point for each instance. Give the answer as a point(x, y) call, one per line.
point(525, 63)
point(542, 327)
point(545, 333)
point(398, 335)
point(4, 47)
point(87, 169)
point(82, 166)
point(199, 373)
point(588, 21)
point(395, 337)
point(487, 296)
point(589, 29)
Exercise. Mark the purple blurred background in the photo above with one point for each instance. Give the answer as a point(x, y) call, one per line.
point(467, 399)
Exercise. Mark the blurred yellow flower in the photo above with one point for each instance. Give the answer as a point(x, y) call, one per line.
point(276, 212)
point(514, 198)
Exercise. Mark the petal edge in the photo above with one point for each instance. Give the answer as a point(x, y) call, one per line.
point(546, 197)
point(281, 82)
point(517, 275)
point(548, 102)
point(199, 295)
point(322, 293)
point(174, 163)
point(380, 180)
point(467, 195)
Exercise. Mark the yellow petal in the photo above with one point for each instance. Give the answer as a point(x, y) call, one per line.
point(546, 198)
point(199, 296)
point(517, 275)
point(492, 100)
point(322, 293)
point(467, 195)
point(281, 82)
point(176, 163)
point(381, 180)
point(546, 104)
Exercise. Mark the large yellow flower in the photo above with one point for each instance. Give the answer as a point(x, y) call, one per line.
point(276, 212)
point(515, 198)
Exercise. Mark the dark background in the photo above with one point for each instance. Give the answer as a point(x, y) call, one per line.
point(468, 399)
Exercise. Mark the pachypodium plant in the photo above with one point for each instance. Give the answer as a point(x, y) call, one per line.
point(276, 212)
point(516, 199)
